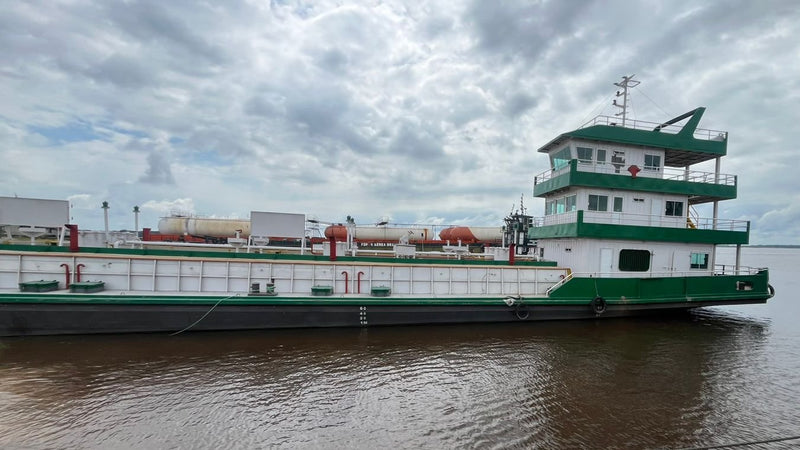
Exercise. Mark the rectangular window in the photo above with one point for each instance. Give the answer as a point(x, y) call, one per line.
point(560, 206)
point(674, 208)
point(601, 156)
point(598, 203)
point(572, 203)
point(549, 207)
point(652, 162)
point(699, 261)
point(634, 260)
point(585, 155)
point(617, 204)
point(560, 158)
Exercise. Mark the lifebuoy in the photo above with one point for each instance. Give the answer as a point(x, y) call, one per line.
point(771, 290)
point(599, 305)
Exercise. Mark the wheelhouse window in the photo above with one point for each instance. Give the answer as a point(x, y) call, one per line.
point(560, 203)
point(598, 202)
point(572, 203)
point(652, 162)
point(674, 208)
point(634, 260)
point(585, 155)
point(617, 204)
point(560, 158)
point(699, 261)
point(601, 156)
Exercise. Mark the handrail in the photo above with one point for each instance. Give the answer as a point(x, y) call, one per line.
point(700, 133)
point(665, 173)
point(560, 283)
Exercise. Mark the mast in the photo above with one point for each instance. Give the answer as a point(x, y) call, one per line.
point(624, 84)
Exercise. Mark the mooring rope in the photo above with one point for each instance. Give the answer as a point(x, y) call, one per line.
point(204, 315)
point(742, 444)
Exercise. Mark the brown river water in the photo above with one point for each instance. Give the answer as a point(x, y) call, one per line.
point(716, 376)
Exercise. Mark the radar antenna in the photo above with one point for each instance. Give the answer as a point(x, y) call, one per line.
point(624, 84)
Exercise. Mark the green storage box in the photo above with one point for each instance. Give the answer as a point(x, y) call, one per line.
point(381, 291)
point(39, 286)
point(320, 291)
point(87, 287)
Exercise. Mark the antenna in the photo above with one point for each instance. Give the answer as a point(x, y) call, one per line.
point(624, 84)
point(522, 204)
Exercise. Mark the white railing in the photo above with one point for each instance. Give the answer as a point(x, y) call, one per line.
point(699, 133)
point(666, 173)
point(730, 269)
point(649, 220)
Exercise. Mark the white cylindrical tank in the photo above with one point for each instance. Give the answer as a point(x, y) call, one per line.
point(204, 227)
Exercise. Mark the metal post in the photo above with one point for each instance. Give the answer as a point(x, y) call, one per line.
point(738, 258)
point(105, 216)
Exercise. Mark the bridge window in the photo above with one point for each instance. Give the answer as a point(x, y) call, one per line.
point(617, 204)
point(598, 202)
point(634, 260)
point(652, 162)
point(585, 155)
point(699, 261)
point(560, 158)
point(572, 203)
point(601, 156)
point(674, 208)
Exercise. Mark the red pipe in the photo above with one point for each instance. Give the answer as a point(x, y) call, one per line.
point(511, 254)
point(346, 290)
point(332, 241)
point(359, 281)
point(78, 272)
point(66, 273)
point(73, 237)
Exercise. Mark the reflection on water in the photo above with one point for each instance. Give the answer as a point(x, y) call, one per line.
point(711, 377)
point(629, 383)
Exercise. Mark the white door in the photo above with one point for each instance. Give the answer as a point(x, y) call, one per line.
point(655, 212)
point(606, 262)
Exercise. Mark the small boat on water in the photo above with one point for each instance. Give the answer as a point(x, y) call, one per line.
point(618, 238)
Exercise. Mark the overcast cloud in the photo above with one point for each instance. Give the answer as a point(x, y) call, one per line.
point(419, 111)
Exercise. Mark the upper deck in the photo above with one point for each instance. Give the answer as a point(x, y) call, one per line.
point(683, 145)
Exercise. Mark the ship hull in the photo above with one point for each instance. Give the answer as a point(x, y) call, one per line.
point(20, 317)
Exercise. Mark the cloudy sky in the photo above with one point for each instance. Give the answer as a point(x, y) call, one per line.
point(423, 112)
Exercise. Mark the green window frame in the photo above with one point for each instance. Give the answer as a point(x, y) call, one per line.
point(634, 260)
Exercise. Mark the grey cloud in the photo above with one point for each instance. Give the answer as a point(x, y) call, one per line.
point(158, 170)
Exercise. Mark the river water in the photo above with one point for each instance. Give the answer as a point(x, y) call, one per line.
point(712, 377)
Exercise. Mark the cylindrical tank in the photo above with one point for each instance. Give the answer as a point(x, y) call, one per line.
point(471, 234)
point(377, 233)
point(204, 227)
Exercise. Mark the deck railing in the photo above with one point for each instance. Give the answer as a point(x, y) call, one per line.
point(666, 173)
point(651, 220)
point(699, 133)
